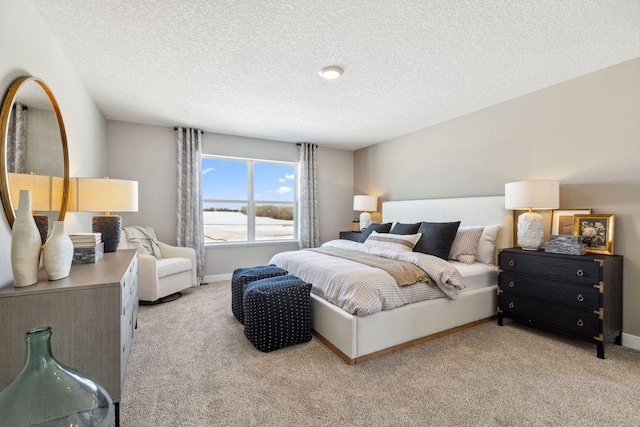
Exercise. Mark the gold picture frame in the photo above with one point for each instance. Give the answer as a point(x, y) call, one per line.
point(596, 231)
point(562, 220)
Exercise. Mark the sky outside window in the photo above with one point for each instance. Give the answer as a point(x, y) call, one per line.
point(224, 179)
point(274, 182)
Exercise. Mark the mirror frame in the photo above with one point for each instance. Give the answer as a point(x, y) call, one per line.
point(5, 115)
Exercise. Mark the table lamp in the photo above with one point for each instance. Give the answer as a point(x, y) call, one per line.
point(531, 195)
point(364, 204)
point(104, 195)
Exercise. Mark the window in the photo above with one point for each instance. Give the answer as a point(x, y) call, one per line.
point(248, 200)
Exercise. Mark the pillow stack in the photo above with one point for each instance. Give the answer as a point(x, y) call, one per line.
point(475, 244)
point(446, 240)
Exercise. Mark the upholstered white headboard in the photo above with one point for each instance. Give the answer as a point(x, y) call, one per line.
point(469, 210)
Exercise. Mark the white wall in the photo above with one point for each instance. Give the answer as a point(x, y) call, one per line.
point(147, 154)
point(28, 48)
point(584, 132)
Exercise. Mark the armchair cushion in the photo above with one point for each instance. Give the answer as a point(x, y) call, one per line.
point(169, 266)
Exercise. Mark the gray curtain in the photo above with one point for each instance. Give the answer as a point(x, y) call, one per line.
point(17, 139)
point(309, 224)
point(190, 223)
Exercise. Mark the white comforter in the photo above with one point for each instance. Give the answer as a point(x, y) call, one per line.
point(363, 290)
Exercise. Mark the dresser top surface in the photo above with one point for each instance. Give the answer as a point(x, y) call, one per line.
point(106, 272)
point(541, 252)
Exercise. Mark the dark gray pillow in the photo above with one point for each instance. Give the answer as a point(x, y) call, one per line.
point(401, 228)
point(380, 228)
point(437, 238)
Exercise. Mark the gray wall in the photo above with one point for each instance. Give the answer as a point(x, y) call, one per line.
point(147, 154)
point(584, 133)
point(29, 48)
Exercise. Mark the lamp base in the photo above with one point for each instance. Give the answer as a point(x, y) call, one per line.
point(530, 231)
point(111, 227)
point(365, 220)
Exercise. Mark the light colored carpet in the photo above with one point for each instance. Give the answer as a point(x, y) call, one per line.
point(191, 365)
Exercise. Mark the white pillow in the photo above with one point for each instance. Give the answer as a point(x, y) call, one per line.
point(487, 245)
point(396, 242)
point(465, 245)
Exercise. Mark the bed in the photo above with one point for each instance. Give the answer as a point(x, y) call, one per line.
point(356, 339)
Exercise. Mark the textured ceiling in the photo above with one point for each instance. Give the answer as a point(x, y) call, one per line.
point(250, 68)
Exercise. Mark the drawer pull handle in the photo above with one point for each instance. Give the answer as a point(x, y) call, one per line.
point(580, 273)
point(512, 263)
point(511, 305)
point(580, 297)
point(511, 284)
point(580, 323)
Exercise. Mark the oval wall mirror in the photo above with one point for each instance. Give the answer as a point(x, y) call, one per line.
point(33, 150)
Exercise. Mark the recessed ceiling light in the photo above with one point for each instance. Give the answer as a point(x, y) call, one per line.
point(331, 73)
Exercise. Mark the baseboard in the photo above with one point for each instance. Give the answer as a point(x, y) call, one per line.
point(217, 278)
point(631, 341)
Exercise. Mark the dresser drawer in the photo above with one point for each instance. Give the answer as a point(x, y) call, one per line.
point(578, 321)
point(580, 270)
point(128, 284)
point(580, 296)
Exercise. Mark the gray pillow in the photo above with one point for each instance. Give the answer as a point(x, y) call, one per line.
point(401, 228)
point(437, 238)
point(380, 228)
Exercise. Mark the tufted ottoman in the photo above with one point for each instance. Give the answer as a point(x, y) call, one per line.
point(242, 277)
point(277, 312)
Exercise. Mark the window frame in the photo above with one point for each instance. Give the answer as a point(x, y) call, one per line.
point(251, 202)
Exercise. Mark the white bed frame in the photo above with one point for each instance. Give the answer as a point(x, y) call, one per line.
point(357, 339)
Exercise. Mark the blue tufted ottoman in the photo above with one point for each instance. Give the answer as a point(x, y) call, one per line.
point(277, 312)
point(242, 277)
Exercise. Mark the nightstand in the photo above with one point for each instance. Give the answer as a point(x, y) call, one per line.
point(572, 294)
point(351, 235)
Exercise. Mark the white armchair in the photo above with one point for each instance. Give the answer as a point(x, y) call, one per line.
point(159, 278)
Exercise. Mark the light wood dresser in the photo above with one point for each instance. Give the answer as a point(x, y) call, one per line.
point(92, 314)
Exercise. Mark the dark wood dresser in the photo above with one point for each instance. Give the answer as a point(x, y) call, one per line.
point(351, 235)
point(577, 295)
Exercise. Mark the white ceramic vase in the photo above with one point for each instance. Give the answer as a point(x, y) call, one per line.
point(58, 253)
point(25, 244)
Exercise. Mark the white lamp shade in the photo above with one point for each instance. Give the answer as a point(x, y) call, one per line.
point(39, 185)
point(102, 195)
point(532, 195)
point(365, 203)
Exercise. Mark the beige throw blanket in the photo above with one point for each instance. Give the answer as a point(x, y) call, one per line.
point(145, 238)
point(404, 273)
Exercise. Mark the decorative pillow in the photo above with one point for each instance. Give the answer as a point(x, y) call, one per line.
point(380, 228)
point(465, 245)
point(400, 228)
point(487, 245)
point(437, 238)
point(396, 242)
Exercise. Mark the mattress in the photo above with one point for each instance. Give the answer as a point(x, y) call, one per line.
point(477, 275)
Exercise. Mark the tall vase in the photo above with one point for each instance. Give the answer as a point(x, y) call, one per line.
point(58, 253)
point(48, 393)
point(25, 244)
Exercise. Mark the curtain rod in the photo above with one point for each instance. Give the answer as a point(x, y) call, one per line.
point(177, 127)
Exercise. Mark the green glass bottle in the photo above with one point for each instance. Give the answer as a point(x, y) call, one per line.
point(47, 393)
